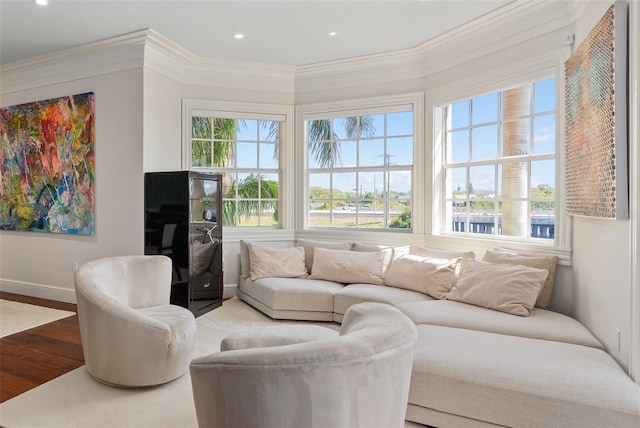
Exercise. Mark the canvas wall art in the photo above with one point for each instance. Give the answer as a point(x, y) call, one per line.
point(47, 166)
point(595, 115)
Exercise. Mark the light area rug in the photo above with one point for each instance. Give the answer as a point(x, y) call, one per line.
point(76, 400)
point(16, 316)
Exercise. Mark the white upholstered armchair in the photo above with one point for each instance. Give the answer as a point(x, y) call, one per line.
point(131, 335)
point(359, 378)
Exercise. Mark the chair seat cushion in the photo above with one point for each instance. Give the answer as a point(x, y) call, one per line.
point(181, 321)
point(276, 336)
point(517, 381)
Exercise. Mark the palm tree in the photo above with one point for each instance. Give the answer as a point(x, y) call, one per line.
point(223, 131)
point(248, 197)
point(243, 195)
point(517, 103)
point(324, 144)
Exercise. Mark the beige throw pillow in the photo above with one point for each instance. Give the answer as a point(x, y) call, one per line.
point(507, 288)
point(388, 251)
point(309, 245)
point(245, 260)
point(276, 262)
point(437, 253)
point(539, 262)
point(434, 277)
point(348, 267)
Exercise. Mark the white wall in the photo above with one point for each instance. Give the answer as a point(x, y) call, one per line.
point(601, 254)
point(39, 264)
point(162, 123)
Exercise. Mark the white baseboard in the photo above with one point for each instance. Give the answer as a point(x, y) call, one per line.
point(66, 295)
point(229, 291)
point(42, 291)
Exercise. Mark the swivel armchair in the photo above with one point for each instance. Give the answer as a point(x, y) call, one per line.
point(131, 335)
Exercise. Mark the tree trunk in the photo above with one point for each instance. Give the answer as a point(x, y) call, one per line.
point(517, 102)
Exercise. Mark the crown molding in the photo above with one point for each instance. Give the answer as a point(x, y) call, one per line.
point(175, 62)
point(144, 49)
point(505, 27)
point(241, 74)
point(166, 57)
point(119, 53)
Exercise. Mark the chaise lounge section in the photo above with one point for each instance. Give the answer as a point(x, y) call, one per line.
point(474, 364)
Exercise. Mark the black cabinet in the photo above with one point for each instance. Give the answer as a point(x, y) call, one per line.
point(182, 221)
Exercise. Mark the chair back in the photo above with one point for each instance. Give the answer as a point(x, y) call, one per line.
point(133, 281)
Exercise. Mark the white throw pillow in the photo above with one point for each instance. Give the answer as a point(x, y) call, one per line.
point(389, 253)
point(276, 262)
point(245, 260)
point(310, 245)
point(539, 262)
point(437, 253)
point(507, 288)
point(348, 267)
point(435, 277)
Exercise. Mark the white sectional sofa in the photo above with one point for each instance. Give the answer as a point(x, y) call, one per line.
point(474, 364)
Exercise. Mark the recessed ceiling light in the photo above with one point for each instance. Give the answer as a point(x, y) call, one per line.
point(331, 33)
point(238, 36)
point(41, 2)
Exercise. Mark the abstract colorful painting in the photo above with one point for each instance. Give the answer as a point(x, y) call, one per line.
point(47, 166)
point(595, 115)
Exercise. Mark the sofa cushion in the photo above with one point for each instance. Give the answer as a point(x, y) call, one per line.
point(434, 277)
point(520, 382)
point(540, 324)
point(276, 262)
point(540, 262)
point(507, 288)
point(348, 266)
point(310, 245)
point(292, 293)
point(359, 293)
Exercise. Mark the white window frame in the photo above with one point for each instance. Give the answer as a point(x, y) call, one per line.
point(351, 108)
point(241, 110)
point(510, 77)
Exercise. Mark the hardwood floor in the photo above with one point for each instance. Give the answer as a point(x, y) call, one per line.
point(33, 357)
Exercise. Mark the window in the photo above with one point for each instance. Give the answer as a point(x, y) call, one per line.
point(360, 167)
point(500, 162)
point(245, 148)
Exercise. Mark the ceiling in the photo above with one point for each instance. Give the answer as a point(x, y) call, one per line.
point(277, 32)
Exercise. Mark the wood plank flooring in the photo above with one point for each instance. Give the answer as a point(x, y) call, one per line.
point(33, 357)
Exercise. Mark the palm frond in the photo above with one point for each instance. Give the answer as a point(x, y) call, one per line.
point(323, 143)
point(248, 195)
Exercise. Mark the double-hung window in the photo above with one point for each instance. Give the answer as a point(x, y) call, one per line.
point(500, 162)
point(359, 167)
point(245, 148)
